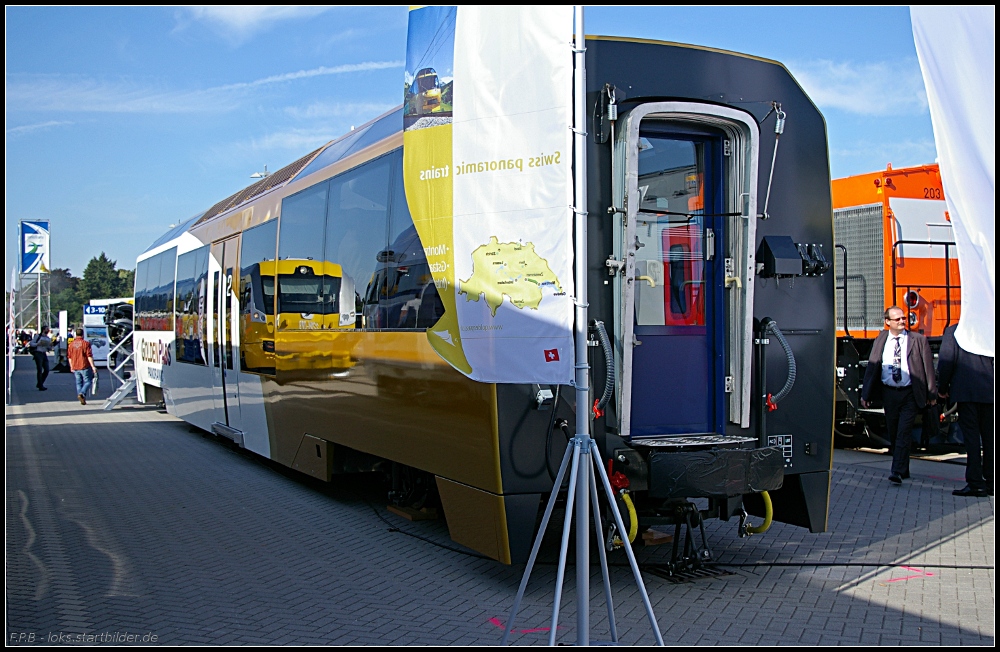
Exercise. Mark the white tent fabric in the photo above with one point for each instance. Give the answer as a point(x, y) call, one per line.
point(956, 47)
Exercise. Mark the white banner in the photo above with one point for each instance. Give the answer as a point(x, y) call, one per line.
point(488, 153)
point(956, 47)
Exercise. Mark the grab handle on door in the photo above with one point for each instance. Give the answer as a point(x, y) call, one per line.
point(648, 279)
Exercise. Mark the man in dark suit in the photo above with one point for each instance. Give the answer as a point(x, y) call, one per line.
point(900, 372)
point(967, 379)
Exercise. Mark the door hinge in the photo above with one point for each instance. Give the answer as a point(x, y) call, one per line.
point(727, 147)
point(730, 384)
point(614, 265)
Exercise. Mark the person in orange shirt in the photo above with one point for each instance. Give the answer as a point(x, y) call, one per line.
point(81, 361)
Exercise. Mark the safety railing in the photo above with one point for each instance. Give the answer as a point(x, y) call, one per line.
point(117, 371)
point(948, 286)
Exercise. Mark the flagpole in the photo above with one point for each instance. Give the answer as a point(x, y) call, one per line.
point(582, 457)
point(582, 378)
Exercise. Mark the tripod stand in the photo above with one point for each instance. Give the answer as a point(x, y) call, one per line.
point(581, 450)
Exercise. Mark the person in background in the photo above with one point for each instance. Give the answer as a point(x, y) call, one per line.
point(59, 350)
point(967, 379)
point(901, 372)
point(40, 345)
point(81, 361)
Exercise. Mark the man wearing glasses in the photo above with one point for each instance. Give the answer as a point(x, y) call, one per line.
point(901, 373)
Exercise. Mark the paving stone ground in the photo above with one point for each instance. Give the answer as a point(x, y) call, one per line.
point(127, 523)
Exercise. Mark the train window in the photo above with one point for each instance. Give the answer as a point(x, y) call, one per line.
point(356, 230)
point(670, 229)
point(408, 298)
point(303, 219)
point(154, 291)
point(141, 274)
point(189, 313)
point(258, 267)
point(165, 291)
point(301, 256)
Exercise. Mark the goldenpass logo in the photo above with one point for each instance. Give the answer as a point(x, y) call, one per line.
point(155, 352)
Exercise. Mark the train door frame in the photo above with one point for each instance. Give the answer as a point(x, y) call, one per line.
point(224, 327)
point(735, 243)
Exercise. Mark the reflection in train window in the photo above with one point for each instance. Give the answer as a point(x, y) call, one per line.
point(406, 294)
point(303, 220)
point(356, 228)
point(408, 298)
point(364, 265)
point(189, 315)
point(307, 293)
point(670, 265)
point(678, 256)
point(154, 292)
point(257, 269)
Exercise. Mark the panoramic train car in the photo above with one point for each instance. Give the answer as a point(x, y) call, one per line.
point(292, 316)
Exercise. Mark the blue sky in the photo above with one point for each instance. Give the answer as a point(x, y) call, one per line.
point(123, 121)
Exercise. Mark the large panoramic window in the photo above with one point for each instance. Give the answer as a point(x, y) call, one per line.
point(154, 292)
point(364, 265)
point(331, 235)
point(356, 232)
point(257, 272)
point(407, 296)
point(190, 322)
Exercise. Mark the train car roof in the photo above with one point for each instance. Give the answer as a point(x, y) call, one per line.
point(175, 231)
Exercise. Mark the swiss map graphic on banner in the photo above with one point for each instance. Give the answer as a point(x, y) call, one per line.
point(487, 151)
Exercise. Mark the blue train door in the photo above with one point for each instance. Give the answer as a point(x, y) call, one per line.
point(677, 374)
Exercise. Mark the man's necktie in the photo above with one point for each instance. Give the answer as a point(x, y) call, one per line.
point(897, 363)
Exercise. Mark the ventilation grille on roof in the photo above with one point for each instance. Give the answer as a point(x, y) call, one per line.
point(271, 181)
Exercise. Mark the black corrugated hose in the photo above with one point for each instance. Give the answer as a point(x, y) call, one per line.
point(609, 363)
point(772, 327)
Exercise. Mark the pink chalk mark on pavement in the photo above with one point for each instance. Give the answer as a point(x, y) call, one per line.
point(919, 574)
point(534, 630)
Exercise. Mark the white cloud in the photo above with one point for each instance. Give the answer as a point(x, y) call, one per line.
point(863, 156)
point(76, 94)
point(315, 72)
point(240, 22)
point(322, 110)
point(26, 129)
point(878, 89)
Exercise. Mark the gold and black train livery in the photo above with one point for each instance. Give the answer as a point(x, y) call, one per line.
point(292, 316)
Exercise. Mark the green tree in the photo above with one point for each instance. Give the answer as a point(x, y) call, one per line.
point(126, 282)
point(69, 300)
point(100, 279)
point(60, 279)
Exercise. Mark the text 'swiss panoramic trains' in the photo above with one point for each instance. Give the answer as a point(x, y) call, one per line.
point(292, 316)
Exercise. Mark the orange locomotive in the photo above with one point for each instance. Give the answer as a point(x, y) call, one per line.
point(895, 246)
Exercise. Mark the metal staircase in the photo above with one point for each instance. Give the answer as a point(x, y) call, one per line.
point(126, 380)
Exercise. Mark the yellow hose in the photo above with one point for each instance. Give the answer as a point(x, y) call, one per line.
point(633, 520)
point(768, 513)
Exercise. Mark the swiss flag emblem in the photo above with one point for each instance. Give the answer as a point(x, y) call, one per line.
point(552, 355)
